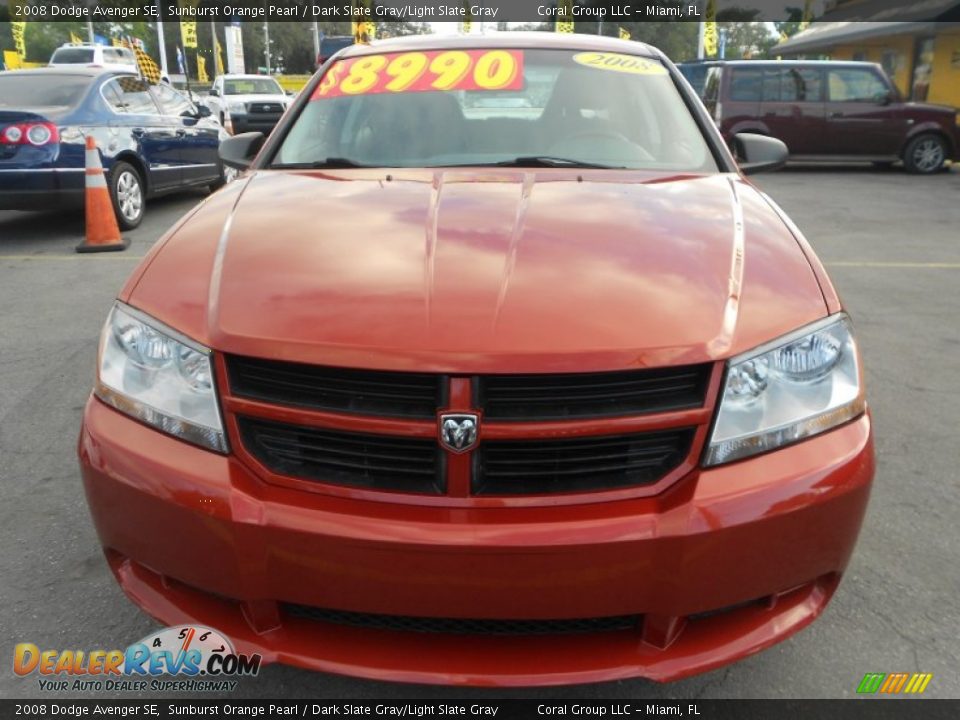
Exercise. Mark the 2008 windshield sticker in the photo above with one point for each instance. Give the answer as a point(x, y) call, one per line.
point(423, 71)
point(620, 63)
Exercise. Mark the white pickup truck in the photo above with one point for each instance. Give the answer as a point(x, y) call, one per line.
point(245, 103)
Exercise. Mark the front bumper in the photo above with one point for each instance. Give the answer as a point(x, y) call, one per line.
point(41, 189)
point(726, 562)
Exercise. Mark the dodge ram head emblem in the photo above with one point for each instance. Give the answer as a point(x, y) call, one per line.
point(458, 431)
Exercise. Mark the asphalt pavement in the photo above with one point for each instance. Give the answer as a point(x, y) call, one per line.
point(891, 243)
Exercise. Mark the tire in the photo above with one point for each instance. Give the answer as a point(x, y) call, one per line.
point(227, 175)
point(925, 154)
point(128, 195)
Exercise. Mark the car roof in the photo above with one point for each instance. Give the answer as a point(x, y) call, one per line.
point(245, 76)
point(522, 40)
point(748, 63)
point(70, 69)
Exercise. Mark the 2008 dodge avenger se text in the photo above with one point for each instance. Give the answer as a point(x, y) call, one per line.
point(491, 369)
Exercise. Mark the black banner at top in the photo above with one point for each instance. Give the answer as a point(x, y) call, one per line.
point(492, 11)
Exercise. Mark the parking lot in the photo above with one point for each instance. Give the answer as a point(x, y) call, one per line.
point(892, 245)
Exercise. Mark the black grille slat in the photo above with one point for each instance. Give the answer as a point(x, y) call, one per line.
point(508, 467)
point(338, 463)
point(362, 392)
point(287, 378)
point(464, 626)
point(370, 461)
point(569, 396)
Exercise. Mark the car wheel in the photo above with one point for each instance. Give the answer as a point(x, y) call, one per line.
point(925, 154)
point(126, 189)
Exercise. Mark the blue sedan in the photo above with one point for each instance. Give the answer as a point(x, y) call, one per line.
point(151, 138)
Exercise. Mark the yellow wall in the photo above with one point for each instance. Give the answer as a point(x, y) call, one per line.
point(873, 51)
point(945, 77)
point(12, 61)
point(292, 82)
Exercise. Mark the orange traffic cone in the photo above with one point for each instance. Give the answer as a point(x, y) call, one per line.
point(103, 233)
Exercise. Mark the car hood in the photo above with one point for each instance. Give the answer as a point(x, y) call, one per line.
point(256, 98)
point(479, 270)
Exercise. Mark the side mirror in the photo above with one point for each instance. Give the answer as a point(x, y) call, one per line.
point(213, 91)
point(759, 153)
point(290, 93)
point(240, 150)
point(203, 111)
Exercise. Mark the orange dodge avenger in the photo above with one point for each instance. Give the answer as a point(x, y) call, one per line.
point(491, 369)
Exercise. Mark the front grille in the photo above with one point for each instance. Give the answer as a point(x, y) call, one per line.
point(363, 392)
point(266, 108)
point(378, 462)
point(578, 464)
point(459, 626)
point(631, 392)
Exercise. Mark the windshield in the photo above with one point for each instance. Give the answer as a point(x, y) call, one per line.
point(482, 107)
point(73, 55)
point(33, 90)
point(252, 86)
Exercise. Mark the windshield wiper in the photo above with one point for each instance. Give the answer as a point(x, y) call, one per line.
point(332, 162)
point(551, 161)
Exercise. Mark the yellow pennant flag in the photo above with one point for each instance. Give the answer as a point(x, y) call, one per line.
point(188, 33)
point(564, 22)
point(202, 69)
point(19, 42)
point(75, 39)
point(363, 30)
point(624, 33)
point(710, 36)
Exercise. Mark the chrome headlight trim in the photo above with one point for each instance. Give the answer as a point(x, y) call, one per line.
point(762, 406)
point(174, 390)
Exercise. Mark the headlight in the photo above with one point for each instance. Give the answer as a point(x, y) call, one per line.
point(800, 385)
point(154, 374)
point(236, 106)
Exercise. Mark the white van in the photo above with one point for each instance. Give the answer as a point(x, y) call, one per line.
point(112, 58)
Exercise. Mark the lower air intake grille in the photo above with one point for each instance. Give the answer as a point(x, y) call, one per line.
point(458, 626)
point(376, 462)
point(578, 464)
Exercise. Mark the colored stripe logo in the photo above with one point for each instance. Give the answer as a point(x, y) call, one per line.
point(894, 683)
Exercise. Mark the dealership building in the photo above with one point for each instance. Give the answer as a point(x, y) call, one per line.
point(918, 44)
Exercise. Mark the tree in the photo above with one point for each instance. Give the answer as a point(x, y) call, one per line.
point(677, 40)
point(398, 29)
point(790, 26)
point(745, 37)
